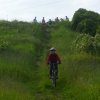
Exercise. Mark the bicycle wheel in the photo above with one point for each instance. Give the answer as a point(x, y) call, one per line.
point(54, 77)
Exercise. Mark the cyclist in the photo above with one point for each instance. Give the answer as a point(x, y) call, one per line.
point(43, 20)
point(57, 19)
point(53, 59)
point(35, 20)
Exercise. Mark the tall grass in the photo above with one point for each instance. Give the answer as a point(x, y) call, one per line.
point(19, 53)
point(79, 73)
point(24, 74)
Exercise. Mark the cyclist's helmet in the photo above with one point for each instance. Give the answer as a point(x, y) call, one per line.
point(52, 49)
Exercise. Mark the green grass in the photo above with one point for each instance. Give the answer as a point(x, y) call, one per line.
point(24, 74)
point(13, 90)
point(18, 69)
point(78, 72)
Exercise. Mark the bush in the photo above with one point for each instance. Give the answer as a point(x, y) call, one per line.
point(85, 43)
point(98, 30)
point(4, 44)
point(86, 21)
point(97, 43)
point(87, 26)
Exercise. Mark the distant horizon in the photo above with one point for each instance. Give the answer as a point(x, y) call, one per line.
point(64, 18)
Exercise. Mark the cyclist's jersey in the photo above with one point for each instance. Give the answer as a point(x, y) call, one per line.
point(53, 58)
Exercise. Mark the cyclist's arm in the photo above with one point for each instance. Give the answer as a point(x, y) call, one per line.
point(58, 59)
point(48, 59)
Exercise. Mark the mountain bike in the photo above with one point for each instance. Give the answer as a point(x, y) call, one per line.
point(54, 75)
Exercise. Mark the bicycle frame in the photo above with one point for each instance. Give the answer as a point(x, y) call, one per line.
point(54, 71)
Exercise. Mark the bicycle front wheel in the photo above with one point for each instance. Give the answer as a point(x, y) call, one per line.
point(54, 79)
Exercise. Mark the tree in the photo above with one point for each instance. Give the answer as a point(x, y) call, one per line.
point(78, 17)
point(85, 21)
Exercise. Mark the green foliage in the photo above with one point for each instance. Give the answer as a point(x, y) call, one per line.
point(97, 43)
point(78, 17)
point(4, 45)
point(98, 30)
point(79, 72)
point(87, 26)
point(21, 45)
point(86, 21)
point(86, 43)
point(23, 69)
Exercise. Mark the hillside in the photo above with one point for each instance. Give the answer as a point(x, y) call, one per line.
point(79, 72)
point(24, 72)
point(20, 50)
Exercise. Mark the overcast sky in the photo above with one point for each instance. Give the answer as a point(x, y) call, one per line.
point(28, 9)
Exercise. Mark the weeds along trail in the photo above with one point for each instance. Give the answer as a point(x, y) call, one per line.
point(78, 73)
point(24, 74)
point(21, 48)
point(43, 41)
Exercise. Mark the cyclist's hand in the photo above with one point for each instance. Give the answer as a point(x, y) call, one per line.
point(59, 62)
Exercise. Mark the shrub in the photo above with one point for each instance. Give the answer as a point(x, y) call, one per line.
point(85, 43)
point(85, 21)
point(4, 44)
point(97, 43)
point(98, 30)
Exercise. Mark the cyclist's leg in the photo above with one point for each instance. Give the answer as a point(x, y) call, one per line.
point(56, 67)
point(51, 68)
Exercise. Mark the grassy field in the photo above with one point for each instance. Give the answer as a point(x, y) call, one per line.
point(24, 72)
point(19, 53)
point(79, 72)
